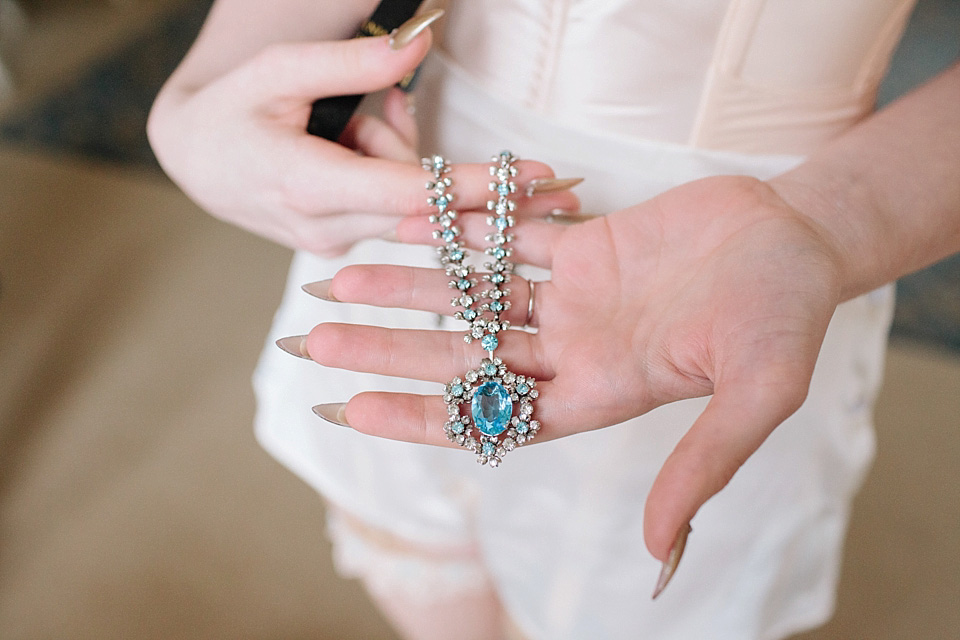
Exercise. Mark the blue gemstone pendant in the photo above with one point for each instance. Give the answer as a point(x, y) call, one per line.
point(490, 411)
point(491, 408)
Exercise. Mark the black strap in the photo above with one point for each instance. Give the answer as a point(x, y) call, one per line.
point(329, 116)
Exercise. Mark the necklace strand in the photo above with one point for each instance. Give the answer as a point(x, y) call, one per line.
point(490, 410)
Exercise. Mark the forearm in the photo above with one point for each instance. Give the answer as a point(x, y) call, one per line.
point(235, 30)
point(887, 192)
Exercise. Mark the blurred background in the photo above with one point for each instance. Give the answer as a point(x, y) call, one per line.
point(134, 502)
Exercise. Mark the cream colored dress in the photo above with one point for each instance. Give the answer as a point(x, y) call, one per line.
point(637, 97)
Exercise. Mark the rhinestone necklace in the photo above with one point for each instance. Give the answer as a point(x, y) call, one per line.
point(490, 408)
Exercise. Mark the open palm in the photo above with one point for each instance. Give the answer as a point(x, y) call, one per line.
point(715, 287)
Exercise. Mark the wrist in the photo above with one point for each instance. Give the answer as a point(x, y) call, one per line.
point(834, 204)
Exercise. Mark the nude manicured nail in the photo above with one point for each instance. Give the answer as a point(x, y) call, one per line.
point(333, 412)
point(552, 185)
point(295, 346)
point(409, 30)
point(670, 566)
point(320, 289)
point(568, 217)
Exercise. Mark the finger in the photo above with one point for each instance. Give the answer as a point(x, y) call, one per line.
point(398, 112)
point(735, 423)
point(399, 416)
point(533, 240)
point(435, 356)
point(420, 419)
point(374, 137)
point(430, 290)
point(307, 71)
point(314, 183)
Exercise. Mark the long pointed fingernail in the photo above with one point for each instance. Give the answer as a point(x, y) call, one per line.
point(409, 30)
point(670, 566)
point(320, 289)
point(551, 185)
point(295, 346)
point(567, 217)
point(333, 412)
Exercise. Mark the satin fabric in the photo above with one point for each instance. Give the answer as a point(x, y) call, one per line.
point(759, 76)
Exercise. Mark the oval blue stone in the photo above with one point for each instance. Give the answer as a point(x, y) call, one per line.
point(491, 408)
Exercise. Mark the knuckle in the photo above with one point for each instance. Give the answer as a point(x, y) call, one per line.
point(412, 203)
point(420, 425)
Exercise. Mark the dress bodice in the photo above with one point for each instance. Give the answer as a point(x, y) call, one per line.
point(764, 76)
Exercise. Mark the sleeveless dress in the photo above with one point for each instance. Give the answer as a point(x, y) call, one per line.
point(638, 97)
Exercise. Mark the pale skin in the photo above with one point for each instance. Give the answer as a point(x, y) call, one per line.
point(720, 287)
point(229, 127)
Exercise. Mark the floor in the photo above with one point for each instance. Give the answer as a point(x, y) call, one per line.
point(134, 502)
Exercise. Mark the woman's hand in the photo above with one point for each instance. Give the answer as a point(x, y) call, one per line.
point(715, 287)
point(238, 146)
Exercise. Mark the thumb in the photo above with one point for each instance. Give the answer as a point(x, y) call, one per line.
point(307, 71)
point(738, 418)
